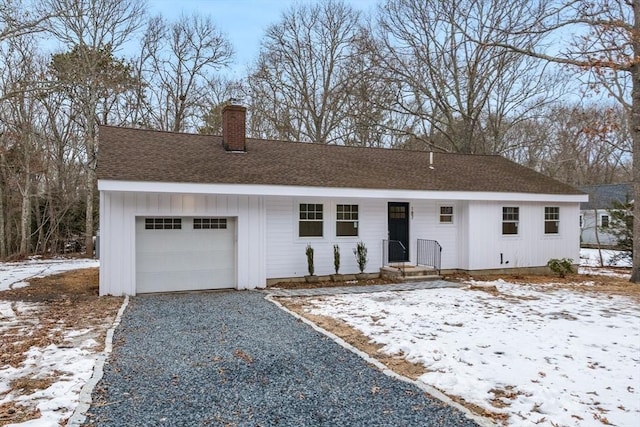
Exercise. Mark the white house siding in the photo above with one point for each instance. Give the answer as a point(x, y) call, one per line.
point(531, 247)
point(425, 224)
point(118, 211)
point(589, 224)
point(286, 251)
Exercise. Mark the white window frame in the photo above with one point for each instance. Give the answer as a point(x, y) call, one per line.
point(209, 223)
point(451, 215)
point(314, 219)
point(162, 223)
point(516, 211)
point(551, 220)
point(601, 216)
point(351, 219)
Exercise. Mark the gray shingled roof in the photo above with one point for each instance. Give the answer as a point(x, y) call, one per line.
point(145, 155)
point(602, 196)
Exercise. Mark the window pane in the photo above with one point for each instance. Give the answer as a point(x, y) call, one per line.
point(509, 228)
point(552, 213)
point(551, 227)
point(446, 214)
point(310, 229)
point(162, 223)
point(346, 228)
point(510, 214)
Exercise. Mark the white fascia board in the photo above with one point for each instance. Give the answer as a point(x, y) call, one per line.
point(353, 193)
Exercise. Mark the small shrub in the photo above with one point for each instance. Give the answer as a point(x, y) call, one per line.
point(309, 252)
point(336, 258)
point(561, 267)
point(361, 256)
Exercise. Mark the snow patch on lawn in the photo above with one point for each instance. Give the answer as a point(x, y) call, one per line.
point(69, 369)
point(66, 366)
point(16, 274)
point(541, 355)
point(591, 258)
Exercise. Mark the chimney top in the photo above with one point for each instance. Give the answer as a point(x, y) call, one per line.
point(234, 128)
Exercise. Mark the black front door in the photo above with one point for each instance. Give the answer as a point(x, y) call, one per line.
point(398, 215)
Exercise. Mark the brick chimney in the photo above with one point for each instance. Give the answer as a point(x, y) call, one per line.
point(233, 128)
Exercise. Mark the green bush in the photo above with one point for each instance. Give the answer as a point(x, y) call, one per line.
point(336, 258)
point(561, 267)
point(361, 256)
point(309, 252)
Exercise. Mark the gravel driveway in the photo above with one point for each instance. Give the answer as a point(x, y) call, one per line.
point(235, 359)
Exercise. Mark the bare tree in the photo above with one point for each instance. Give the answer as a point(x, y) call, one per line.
point(92, 30)
point(21, 137)
point(601, 38)
point(220, 92)
point(464, 94)
point(300, 84)
point(178, 61)
point(576, 144)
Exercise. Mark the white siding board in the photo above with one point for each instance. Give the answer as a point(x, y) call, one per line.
point(118, 213)
point(268, 245)
point(531, 247)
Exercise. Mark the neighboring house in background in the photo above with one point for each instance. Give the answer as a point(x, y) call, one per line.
point(595, 216)
point(183, 212)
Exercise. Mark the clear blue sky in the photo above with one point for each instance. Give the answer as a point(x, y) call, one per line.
point(243, 21)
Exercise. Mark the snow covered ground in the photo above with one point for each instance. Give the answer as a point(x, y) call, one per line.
point(16, 274)
point(64, 368)
point(590, 263)
point(543, 355)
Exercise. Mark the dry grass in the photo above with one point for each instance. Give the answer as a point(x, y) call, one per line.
point(588, 283)
point(330, 284)
point(66, 301)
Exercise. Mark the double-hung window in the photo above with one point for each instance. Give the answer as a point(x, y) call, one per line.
point(310, 220)
point(346, 220)
point(510, 220)
point(604, 221)
point(551, 220)
point(446, 214)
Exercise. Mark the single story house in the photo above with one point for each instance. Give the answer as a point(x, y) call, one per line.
point(595, 214)
point(184, 212)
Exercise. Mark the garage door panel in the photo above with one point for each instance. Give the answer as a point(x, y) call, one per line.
point(185, 259)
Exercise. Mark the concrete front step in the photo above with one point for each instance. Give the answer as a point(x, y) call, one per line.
point(409, 273)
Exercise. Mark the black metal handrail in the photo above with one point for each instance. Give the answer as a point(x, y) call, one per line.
point(393, 251)
point(429, 254)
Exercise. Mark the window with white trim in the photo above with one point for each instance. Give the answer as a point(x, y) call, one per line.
point(346, 220)
point(551, 220)
point(510, 220)
point(446, 214)
point(310, 220)
point(581, 221)
point(209, 223)
point(604, 221)
point(162, 223)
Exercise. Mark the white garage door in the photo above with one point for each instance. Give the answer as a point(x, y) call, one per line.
point(183, 254)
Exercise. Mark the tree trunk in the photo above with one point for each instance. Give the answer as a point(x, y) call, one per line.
point(3, 237)
point(25, 219)
point(91, 183)
point(597, 234)
point(635, 133)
